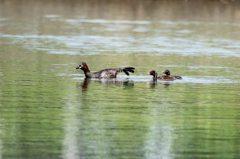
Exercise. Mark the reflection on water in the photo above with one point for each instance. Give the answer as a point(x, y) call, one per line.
point(107, 82)
point(49, 110)
point(186, 79)
point(154, 83)
point(84, 84)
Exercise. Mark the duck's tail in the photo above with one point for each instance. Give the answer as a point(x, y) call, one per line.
point(128, 69)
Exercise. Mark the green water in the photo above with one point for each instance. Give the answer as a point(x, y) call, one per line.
point(48, 109)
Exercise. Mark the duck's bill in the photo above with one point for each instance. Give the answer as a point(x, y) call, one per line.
point(79, 67)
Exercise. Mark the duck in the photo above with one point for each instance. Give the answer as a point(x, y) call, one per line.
point(168, 73)
point(156, 77)
point(166, 77)
point(105, 73)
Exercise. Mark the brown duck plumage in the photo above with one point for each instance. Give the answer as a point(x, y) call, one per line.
point(166, 77)
point(168, 73)
point(106, 73)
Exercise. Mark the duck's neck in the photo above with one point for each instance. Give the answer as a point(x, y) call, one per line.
point(155, 75)
point(87, 72)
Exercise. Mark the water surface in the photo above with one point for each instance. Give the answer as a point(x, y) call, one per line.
point(49, 110)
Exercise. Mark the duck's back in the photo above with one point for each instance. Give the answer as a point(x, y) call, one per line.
point(165, 78)
point(107, 73)
point(168, 78)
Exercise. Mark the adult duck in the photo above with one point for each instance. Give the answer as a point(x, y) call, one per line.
point(106, 73)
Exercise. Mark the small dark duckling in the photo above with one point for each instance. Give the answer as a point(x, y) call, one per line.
point(106, 73)
point(166, 77)
point(168, 73)
point(163, 77)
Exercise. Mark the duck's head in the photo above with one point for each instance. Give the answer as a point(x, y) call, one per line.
point(153, 73)
point(167, 72)
point(82, 66)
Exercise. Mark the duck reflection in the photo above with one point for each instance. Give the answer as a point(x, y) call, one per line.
point(85, 83)
point(154, 83)
point(111, 82)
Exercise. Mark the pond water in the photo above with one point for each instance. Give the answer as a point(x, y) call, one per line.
point(48, 109)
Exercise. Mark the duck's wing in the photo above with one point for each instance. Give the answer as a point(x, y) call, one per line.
point(112, 72)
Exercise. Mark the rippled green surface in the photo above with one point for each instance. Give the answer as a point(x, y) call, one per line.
point(48, 110)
